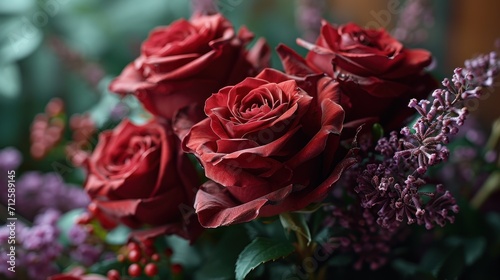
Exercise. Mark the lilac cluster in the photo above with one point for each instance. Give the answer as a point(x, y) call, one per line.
point(10, 159)
point(36, 191)
point(82, 249)
point(392, 187)
point(414, 21)
point(361, 235)
point(36, 247)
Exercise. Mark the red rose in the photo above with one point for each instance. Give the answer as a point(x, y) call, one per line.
point(140, 176)
point(268, 146)
point(77, 273)
point(378, 76)
point(185, 62)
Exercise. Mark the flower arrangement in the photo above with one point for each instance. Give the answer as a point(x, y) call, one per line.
point(215, 165)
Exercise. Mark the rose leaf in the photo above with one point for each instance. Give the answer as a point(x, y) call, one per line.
point(259, 251)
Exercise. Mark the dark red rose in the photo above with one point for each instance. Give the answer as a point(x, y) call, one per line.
point(377, 75)
point(138, 175)
point(268, 146)
point(185, 62)
point(77, 273)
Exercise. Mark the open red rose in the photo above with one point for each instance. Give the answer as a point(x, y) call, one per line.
point(267, 145)
point(185, 62)
point(138, 175)
point(378, 76)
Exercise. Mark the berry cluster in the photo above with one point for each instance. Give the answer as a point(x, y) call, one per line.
point(143, 259)
point(47, 129)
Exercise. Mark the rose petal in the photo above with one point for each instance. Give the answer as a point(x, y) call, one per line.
point(216, 208)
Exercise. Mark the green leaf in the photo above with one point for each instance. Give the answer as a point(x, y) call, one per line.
point(474, 249)
point(118, 236)
point(261, 250)
point(432, 260)
point(184, 253)
point(104, 266)
point(10, 79)
point(404, 267)
point(453, 264)
point(296, 222)
point(221, 257)
point(411, 270)
point(18, 38)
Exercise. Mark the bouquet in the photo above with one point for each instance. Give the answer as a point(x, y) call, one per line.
point(347, 161)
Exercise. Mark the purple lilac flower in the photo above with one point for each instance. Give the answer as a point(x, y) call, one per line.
point(355, 229)
point(37, 191)
point(309, 14)
point(392, 186)
point(77, 234)
point(10, 159)
point(86, 254)
point(37, 247)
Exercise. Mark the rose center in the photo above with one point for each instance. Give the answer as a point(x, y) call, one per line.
point(363, 39)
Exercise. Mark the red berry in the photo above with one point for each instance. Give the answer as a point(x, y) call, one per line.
point(134, 270)
point(54, 107)
point(155, 257)
point(151, 269)
point(133, 246)
point(134, 256)
point(113, 274)
point(176, 269)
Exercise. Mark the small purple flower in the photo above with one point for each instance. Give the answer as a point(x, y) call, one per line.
point(86, 254)
point(10, 159)
point(77, 234)
point(37, 192)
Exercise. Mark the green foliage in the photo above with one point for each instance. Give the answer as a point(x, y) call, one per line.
point(118, 236)
point(260, 251)
point(221, 257)
point(296, 222)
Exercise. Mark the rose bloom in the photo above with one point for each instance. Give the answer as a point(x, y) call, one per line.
point(185, 62)
point(138, 175)
point(77, 273)
point(268, 145)
point(377, 74)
